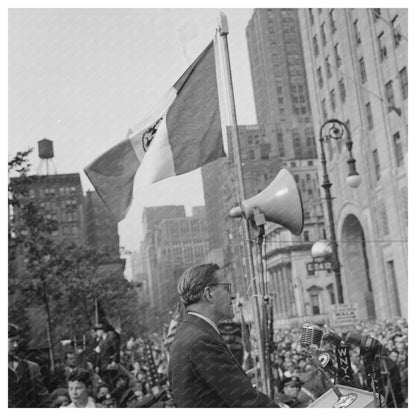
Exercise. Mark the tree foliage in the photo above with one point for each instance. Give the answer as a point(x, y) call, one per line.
point(61, 277)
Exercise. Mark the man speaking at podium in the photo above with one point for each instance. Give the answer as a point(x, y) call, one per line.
point(202, 370)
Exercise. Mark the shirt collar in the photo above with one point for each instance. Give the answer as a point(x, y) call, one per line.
point(206, 320)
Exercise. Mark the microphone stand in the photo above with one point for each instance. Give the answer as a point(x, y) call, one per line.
point(343, 400)
point(370, 350)
point(259, 222)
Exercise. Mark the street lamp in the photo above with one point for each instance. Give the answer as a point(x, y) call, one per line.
point(336, 130)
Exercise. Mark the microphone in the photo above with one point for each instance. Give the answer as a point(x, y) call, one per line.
point(311, 338)
point(333, 338)
point(311, 335)
point(353, 338)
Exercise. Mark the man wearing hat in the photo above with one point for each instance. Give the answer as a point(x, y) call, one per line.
point(289, 389)
point(26, 388)
point(108, 352)
point(108, 348)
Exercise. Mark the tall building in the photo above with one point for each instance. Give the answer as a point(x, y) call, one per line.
point(172, 244)
point(101, 226)
point(279, 80)
point(62, 199)
point(357, 64)
point(153, 215)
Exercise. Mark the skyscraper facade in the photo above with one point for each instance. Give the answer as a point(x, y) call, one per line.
point(173, 243)
point(101, 226)
point(357, 64)
point(279, 80)
point(61, 198)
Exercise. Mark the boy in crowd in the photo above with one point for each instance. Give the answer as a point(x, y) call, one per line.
point(79, 387)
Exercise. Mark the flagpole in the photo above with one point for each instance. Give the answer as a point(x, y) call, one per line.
point(96, 311)
point(223, 32)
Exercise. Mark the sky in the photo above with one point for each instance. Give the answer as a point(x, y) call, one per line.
point(82, 77)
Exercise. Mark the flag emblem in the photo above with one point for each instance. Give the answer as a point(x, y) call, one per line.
point(149, 134)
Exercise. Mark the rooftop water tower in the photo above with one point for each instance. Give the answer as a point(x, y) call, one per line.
point(45, 150)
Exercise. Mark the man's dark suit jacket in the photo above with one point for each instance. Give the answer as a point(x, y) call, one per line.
point(109, 350)
point(204, 373)
point(26, 388)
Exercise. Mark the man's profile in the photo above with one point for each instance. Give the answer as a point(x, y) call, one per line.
point(202, 370)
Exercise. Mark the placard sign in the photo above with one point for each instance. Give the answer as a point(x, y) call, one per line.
point(344, 315)
point(316, 266)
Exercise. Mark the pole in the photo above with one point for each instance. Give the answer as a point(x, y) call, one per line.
point(336, 132)
point(48, 328)
point(223, 32)
point(326, 184)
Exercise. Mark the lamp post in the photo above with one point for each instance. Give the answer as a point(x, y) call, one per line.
point(336, 130)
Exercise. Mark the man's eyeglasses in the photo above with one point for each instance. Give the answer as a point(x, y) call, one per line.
point(227, 286)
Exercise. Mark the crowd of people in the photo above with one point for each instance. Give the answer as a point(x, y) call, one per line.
point(135, 373)
point(290, 361)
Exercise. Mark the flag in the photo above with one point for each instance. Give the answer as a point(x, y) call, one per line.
point(173, 326)
point(183, 134)
point(152, 375)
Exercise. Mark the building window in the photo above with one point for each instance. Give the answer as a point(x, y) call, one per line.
point(337, 56)
point(331, 293)
point(311, 16)
point(363, 73)
point(357, 33)
point(376, 164)
point(382, 49)
point(324, 112)
point(393, 285)
point(332, 96)
point(403, 82)
point(320, 79)
point(396, 31)
point(306, 235)
point(384, 218)
point(332, 21)
point(342, 91)
point(315, 304)
point(369, 114)
point(328, 67)
point(323, 35)
point(390, 95)
point(398, 150)
point(315, 45)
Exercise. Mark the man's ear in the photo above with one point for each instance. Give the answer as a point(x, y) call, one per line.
point(207, 294)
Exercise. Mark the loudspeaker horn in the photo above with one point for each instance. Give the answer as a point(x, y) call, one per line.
point(280, 203)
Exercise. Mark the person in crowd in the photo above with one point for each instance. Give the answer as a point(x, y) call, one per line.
point(290, 368)
point(108, 348)
point(26, 388)
point(108, 352)
point(289, 392)
point(60, 398)
point(79, 388)
point(202, 370)
point(102, 391)
point(392, 380)
point(62, 372)
point(109, 402)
